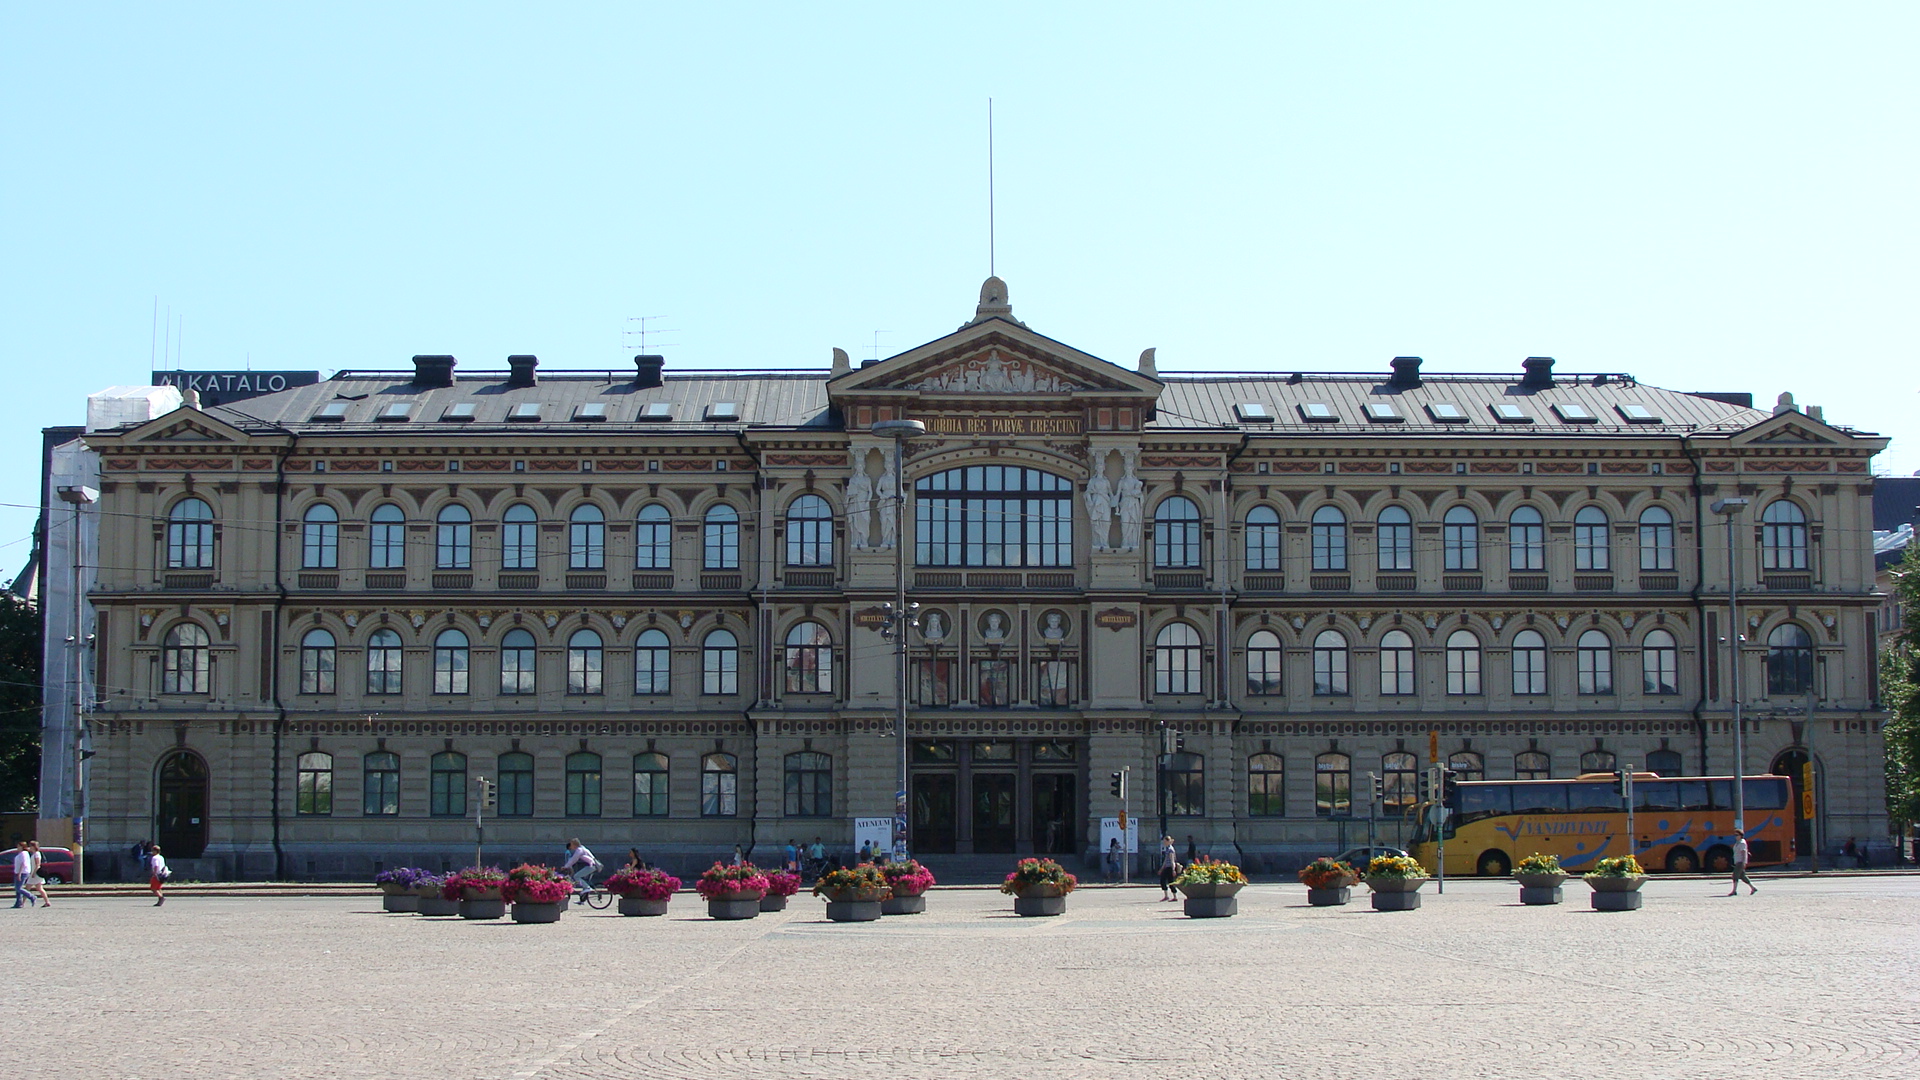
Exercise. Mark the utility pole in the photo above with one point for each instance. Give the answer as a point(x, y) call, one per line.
point(901, 617)
point(487, 801)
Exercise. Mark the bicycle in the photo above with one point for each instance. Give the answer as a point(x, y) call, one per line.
point(592, 895)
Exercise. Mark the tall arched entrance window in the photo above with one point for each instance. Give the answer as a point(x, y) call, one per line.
point(180, 819)
point(993, 515)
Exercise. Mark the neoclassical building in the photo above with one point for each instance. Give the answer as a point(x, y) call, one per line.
point(649, 604)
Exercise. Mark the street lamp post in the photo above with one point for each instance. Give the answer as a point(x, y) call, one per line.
point(1729, 508)
point(900, 619)
point(78, 496)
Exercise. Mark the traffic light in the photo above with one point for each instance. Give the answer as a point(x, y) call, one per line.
point(1179, 742)
point(1379, 787)
point(489, 797)
point(1117, 786)
point(1426, 786)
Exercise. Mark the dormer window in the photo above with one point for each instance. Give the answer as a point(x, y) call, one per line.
point(1253, 412)
point(1446, 412)
point(723, 411)
point(1508, 413)
point(332, 412)
point(1381, 412)
point(1636, 414)
point(397, 412)
point(1318, 412)
point(590, 412)
point(656, 412)
point(1575, 414)
point(526, 412)
point(460, 412)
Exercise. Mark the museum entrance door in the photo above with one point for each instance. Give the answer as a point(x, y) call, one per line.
point(180, 824)
point(934, 813)
point(993, 806)
point(1055, 813)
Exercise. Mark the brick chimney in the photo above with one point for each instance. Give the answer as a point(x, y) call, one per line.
point(520, 370)
point(647, 369)
point(1539, 373)
point(430, 372)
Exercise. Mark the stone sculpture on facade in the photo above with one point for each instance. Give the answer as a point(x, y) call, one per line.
point(1131, 497)
point(1100, 503)
point(860, 503)
point(887, 499)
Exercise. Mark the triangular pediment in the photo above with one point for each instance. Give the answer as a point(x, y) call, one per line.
point(995, 357)
point(186, 425)
point(1791, 429)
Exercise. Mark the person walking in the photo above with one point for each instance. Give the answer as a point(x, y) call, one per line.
point(739, 856)
point(1113, 860)
point(1169, 866)
point(36, 884)
point(157, 874)
point(793, 857)
point(23, 865)
point(1741, 854)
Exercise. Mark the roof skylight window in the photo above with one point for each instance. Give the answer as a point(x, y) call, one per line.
point(1446, 412)
point(723, 411)
point(1253, 412)
point(460, 412)
point(1381, 412)
point(1318, 412)
point(525, 412)
point(656, 411)
point(332, 411)
point(396, 412)
point(1636, 414)
point(1575, 414)
point(1509, 413)
point(590, 412)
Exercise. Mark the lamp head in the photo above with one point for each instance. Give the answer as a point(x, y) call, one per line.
point(899, 430)
point(1730, 505)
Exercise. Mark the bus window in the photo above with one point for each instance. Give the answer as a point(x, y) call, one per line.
point(1593, 797)
point(1693, 795)
point(1533, 798)
point(1767, 794)
point(1657, 796)
point(1721, 792)
point(1476, 801)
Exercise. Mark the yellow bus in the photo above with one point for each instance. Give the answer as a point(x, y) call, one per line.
point(1681, 823)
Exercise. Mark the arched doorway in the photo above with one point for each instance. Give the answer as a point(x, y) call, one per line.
point(1792, 764)
point(180, 818)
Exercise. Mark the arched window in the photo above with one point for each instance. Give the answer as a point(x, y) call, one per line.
point(1396, 663)
point(190, 535)
point(719, 786)
point(651, 657)
point(380, 784)
point(1467, 765)
point(453, 539)
point(650, 784)
point(1597, 761)
point(320, 538)
point(583, 784)
point(1526, 540)
point(809, 659)
point(314, 793)
point(1399, 781)
point(1185, 794)
point(1460, 539)
point(517, 663)
point(1656, 539)
point(809, 532)
point(1266, 786)
point(1395, 543)
point(1590, 539)
point(317, 659)
point(1659, 663)
point(1532, 765)
point(1463, 663)
point(1264, 664)
point(520, 538)
point(186, 658)
point(992, 515)
point(722, 547)
point(383, 662)
point(1176, 534)
point(447, 784)
point(586, 663)
point(1789, 661)
point(451, 659)
point(653, 538)
point(1529, 663)
point(809, 784)
point(387, 539)
point(1595, 662)
point(1333, 785)
point(1664, 762)
point(720, 663)
point(1329, 539)
point(1263, 538)
point(1176, 660)
point(1783, 536)
point(587, 538)
point(516, 785)
point(1330, 664)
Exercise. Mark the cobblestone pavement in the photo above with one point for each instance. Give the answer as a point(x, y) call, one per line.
point(1807, 977)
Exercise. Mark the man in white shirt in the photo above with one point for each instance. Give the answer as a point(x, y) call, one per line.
point(23, 866)
point(1741, 854)
point(582, 864)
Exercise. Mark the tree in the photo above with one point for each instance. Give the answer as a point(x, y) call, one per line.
point(19, 704)
point(1900, 686)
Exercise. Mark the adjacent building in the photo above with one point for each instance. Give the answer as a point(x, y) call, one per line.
point(649, 605)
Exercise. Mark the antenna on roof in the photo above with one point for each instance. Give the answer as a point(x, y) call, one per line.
point(876, 342)
point(626, 342)
point(990, 250)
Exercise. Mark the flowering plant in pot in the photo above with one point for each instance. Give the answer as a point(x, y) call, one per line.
point(531, 883)
point(721, 882)
point(907, 878)
point(864, 883)
point(1211, 873)
point(474, 883)
point(643, 884)
point(1622, 873)
point(782, 883)
point(400, 879)
point(1328, 873)
point(1395, 873)
point(1539, 871)
point(431, 892)
point(1039, 877)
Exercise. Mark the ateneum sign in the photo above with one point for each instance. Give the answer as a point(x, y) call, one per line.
point(222, 387)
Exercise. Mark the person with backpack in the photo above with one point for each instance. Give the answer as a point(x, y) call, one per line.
point(157, 874)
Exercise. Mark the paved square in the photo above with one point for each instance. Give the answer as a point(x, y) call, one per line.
point(1810, 977)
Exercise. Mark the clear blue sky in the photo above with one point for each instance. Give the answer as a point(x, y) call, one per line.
point(1709, 196)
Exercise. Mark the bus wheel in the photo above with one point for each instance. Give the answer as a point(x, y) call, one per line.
point(1682, 861)
point(1719, 860)
point(1494, 864)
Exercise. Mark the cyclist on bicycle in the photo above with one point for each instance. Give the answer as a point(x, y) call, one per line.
point(583, 866)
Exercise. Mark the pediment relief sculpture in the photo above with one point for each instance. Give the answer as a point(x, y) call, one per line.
point(994, 373)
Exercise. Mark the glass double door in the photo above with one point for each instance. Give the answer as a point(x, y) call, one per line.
point(990, 814)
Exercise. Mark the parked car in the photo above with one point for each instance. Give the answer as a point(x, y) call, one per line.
point(56, 865)
point(1359, 857)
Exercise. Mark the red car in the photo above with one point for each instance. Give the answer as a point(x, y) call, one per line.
point(56, 865)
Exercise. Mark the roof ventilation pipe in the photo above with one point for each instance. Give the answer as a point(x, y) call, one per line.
point(647, 370)
point(432, 372)
point(1406, 373)
point(520, 370)
point(1539, 373)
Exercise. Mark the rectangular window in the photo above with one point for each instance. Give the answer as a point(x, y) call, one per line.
point(933, 682)
point(996, 683)
point(1053, 684)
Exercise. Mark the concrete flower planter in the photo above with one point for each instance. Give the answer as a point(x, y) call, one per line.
point(400, 902)
point(735, 905)
point(1396, 894)
point(483, 909)
point(1211, 900)
point(771, 902)
point(1330, 897)
point(909, 904)
point(1037, 900)
point(855, 905)
point(638, 906)
point(1536, 889)
point(435, 905)
point(1616, 893)
point(525, 912)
